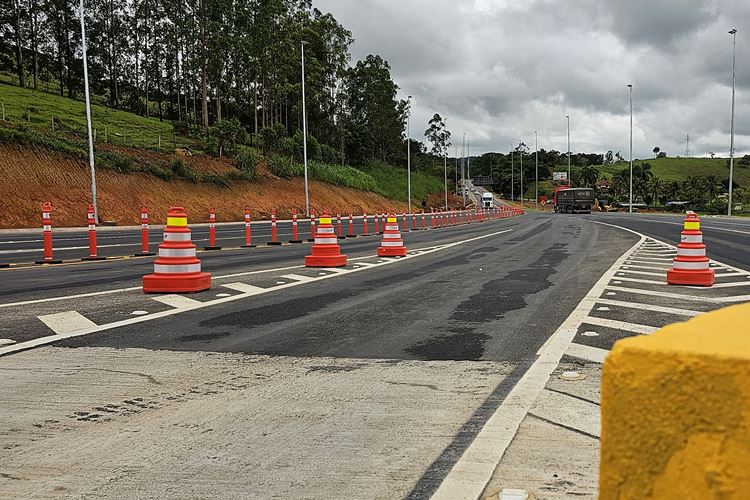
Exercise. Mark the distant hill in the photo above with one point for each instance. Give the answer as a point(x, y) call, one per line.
point(681, 168)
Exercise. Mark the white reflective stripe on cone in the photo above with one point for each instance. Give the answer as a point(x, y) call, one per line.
point(176, 252)
point(326, 241)
point(47, 227)
point(177, 269)
point(326, 230)
point(392, 236)
point(45, 215)
point(176, 236)
point(144, 226)
point(690, 265)
point(692, 252)
point(391, 227)
point(92, 227)
point(691, 238)
point(398, 243)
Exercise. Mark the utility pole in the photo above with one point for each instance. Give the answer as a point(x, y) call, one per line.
point(630, 210)
point(536, 162)
point(732, 32)
point(456, 180)
point(304, 131)
point(512, 179)
point(463, 177)
point(570, 180)
point(88, 118)
point(520, 171)
point(408, 151)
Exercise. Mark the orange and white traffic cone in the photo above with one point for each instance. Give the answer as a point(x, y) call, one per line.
point(365, 227)
point(690, 266)
point(351, 226)
point(392, 244)
point(339, 230)
point(176, 269)
point(144, 233)
point(248, 231)
point(274, 232)
point(312, 227)
point(326, 251)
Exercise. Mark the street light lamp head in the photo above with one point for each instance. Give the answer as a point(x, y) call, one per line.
point(630, 85)
point(733, 31)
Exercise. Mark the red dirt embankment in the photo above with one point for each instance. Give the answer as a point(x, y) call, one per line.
point(31, 176)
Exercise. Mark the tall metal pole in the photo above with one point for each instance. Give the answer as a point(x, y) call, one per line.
point(570, 180)
point(468, 160)
point(536, 162)
point(463, 177)
point(520, 172)
point(456, 179)
point(512, 177)
point(630, 210)
point(88, 117)
point(304, 131)
point(408, 150)
point(732, 32)
point(445, 171)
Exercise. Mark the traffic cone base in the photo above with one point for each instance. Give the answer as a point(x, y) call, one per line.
point(702, 277)
point(248, 246)
point(392, 251)
point(94, 258)
point(182, 283)
point(52, 261)
point(143, 254)
point(392, 244)
point(271, 243)
point(295, 241)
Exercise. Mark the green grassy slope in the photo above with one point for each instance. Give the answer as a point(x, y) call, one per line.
point(36, 109)
point(681, 168)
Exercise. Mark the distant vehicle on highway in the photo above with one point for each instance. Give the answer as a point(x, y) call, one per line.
point(487, 200)
point(473, 190)
point(573, 200)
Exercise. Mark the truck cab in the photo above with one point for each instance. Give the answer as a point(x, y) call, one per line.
point(487, 200)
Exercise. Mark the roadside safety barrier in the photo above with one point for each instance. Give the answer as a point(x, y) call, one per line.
point(691, 265)
point(339, 231)
point(248, 231)
point(91, 217)
point(351, 226)
point(295, 231)
point(326, 251)
point(47, 235)
point(274, 234)
point(177, 269)
point(212, 231)
point(145, 251)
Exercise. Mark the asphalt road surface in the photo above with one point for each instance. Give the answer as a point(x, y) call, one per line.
point(411, 377)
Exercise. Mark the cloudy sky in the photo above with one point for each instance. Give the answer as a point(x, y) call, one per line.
point(501, 69)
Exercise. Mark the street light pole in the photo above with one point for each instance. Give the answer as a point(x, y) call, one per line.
point(536, 164)
point(630, 86)
point(304, 131)
point(456, 179)
point(570, 180)
point(88, 117)
point(512, 176)
point(408, 150)
point(732, 32)
point(463, 176)
point(520, 173)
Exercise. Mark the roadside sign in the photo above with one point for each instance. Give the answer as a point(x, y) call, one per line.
point(559, 176)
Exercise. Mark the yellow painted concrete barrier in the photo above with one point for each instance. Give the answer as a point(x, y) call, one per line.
point(676, 411)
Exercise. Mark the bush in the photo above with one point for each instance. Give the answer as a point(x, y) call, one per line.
point(114, 161)
point(225, 136)
point(329, 154)
point(180, 169)
point(283, 167)
point(157, 171)
point(247, 162)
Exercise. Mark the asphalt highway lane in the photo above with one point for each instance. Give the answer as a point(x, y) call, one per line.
point(726, 239)
point(369, 383)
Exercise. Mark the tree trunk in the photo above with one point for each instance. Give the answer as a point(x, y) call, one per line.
point(255, 108)
point(218, 104)
point(34, 44)
point(137, 48)
point(68, 53)
point(204, 89)
point(19, 47)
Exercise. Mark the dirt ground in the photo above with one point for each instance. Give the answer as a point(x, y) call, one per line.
point(31, 176)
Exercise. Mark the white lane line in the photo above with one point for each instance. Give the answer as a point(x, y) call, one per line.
point(471, 473)
point(177, 301)
point(245, 288)
point(65, 323)
point(648, 266)
point(736, 298)
point(652, 259)
point(298, 277)
point(7, 342)
point(645, 282)
point(704, 226)
point(587, 352)
point(650, 307)
point(620, 325)
point(645, 273)
point(678, 296)
point(170, 312)
point(725, 285)
point(76, 296)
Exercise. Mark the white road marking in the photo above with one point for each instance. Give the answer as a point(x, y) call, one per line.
point(704, 226)
point(649, 307)
point(471, 473)
point(679, 296)
point(726, 285)
point(130, 321)
point(139, 313)
point(568, 411)
point(177, 301)
point(645, 273)
point(245, 288)
point(620, 325)
point(7, 342)
point(645, 282)
point(65, 323)
point(299, 277)
point(587, 352)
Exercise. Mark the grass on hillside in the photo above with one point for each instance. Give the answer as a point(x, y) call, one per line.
point(681, 168)
point(392, 182)
point(36, 109)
